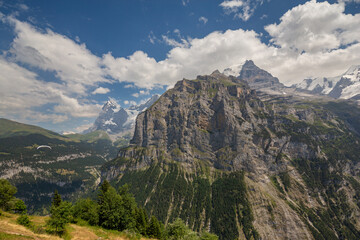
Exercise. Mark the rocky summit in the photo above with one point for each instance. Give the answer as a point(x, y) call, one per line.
point(246, 166)
point(118, 121)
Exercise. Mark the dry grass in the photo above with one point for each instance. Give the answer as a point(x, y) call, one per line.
point(9, 230)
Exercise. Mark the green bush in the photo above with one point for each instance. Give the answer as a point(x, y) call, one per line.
point(179, 230)
point(20, 207)
point(24, 220)
point(7, 192)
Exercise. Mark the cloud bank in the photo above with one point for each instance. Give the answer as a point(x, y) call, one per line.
point(312, 39)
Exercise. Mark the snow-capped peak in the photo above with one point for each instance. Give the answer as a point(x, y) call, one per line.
point(117, 120)
point(344, 86)
point(111, 104)
point(353, 73)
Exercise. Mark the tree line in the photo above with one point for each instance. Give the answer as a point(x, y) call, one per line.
point(112, 209)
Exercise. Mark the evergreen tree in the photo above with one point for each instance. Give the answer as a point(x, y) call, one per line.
point(177, 229)
point(208, 236)
point(56, 199)
point(104, 187)
point(60, 215)
point(141, 220)
point(87, 210)
point(116, 211)
point(129, 207)
point(109, 209)
point(154, 229)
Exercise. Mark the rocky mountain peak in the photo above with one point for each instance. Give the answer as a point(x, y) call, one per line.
point(256, 76)
point(111, 104)
point(118, 121)
point(212, 142)
point(215, 73)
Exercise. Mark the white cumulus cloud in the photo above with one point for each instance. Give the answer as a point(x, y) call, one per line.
point(73, 63)
point(312, 39)
point(101, 90)
point(242, 9)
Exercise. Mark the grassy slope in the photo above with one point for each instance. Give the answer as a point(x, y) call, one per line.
point(90, 137)
point(10, 128)
point(9, 229)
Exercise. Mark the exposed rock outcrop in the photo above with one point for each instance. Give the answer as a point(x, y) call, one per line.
point(214, 152)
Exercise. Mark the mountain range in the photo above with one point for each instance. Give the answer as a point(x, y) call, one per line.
point(345, 86)
point(246, 164)
point(234, 153)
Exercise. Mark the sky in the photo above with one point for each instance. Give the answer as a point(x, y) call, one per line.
point(60, 61)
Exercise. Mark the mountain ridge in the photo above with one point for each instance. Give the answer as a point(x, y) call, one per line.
point(345, 86)
point(71, 165)
point(288, 159)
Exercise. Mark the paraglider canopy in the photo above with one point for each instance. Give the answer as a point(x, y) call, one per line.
point(43, 146)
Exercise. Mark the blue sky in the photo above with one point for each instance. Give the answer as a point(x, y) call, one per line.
point(61, 60)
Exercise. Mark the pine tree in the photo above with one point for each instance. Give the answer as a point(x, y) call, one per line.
point(141, 220)
point(87, 210)
point(154, 229)
point(104, 187)
point(56, 199)
point(60, 215)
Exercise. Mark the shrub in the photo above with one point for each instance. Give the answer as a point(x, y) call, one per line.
point(24, 220)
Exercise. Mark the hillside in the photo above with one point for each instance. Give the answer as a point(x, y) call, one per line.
point(89, 137)
point(10, 128)
point(223, 158)
point(71, 165)
point(9, 229)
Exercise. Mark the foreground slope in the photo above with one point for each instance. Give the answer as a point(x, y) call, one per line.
point(9, 229)
point(71, 165)
point(213, 153)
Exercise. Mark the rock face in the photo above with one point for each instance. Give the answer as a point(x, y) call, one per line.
point(224, 159)
point(258, 78)
point(346, 86)
point(116, 120)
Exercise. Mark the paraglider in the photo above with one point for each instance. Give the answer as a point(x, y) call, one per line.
point(43, 146)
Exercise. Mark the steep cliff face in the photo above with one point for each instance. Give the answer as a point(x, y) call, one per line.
point(223, 159)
